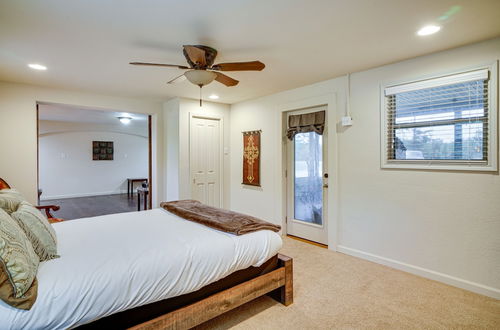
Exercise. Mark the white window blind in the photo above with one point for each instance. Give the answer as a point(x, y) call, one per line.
point(441, 119)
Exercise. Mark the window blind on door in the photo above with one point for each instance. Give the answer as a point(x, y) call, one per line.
point(442, 119)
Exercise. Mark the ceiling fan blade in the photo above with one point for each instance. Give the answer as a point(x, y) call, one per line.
point(223, 79)
point(160, 64)
point(195, 54)
point(239, 66)
point(177, 79)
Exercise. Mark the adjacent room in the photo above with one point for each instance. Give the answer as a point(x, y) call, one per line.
point(91, 162)
point(321, 164)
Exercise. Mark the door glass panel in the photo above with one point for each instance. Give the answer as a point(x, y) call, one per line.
point(308, 181)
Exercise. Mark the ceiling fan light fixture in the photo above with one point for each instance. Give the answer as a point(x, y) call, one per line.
point(125, 120)
point(200, 77)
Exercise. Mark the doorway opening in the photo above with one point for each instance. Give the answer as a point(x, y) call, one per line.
point(93, 162)
point(307, 175)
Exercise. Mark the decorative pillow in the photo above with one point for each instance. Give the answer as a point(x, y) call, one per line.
point(18, 265)
point(38, 229)
point(13, 192)
point(10, 200)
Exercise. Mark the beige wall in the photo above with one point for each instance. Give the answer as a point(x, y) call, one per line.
point(18, 149)
point(440, 224)
point(171, 143)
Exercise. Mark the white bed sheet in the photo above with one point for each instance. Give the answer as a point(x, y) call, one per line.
point(116, 262)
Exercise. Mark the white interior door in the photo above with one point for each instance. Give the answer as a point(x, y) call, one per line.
point(307, 185)
point(205, 160)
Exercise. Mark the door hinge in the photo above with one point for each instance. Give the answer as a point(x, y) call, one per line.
point(286, 173)
point(286, 219)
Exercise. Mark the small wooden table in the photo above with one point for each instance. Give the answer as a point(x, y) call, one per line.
point(130, 184)
point(144, 192)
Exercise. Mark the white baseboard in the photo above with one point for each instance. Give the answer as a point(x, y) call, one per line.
point(114, 192)
point(427, 273)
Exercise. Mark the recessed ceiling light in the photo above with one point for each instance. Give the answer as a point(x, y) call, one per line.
point(213, 97)
point(125, 120)
point(37, 66)
point(428, 29)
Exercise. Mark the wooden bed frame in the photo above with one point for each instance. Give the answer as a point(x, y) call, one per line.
point(277, 283)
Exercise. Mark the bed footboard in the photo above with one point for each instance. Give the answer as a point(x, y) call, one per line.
point(277, 283)
point(284, 294)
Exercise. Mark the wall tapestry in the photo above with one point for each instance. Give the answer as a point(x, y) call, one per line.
point(251, 158)
point(102, 150)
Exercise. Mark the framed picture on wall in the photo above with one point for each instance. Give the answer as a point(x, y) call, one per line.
point(251, 158)
point(102, 150)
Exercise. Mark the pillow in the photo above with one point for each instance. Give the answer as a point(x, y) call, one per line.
point(18, 265)
point(10, 200)
point(13, 192)
point(38, 229)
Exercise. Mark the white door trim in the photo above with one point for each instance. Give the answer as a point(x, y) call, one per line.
point(221, 148)
point(330, 102)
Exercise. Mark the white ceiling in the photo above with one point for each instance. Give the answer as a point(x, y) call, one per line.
point(87, 44)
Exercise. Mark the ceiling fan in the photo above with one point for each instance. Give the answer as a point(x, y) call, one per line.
point(202, 70)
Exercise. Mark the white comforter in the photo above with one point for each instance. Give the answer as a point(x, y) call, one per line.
point(115, 262)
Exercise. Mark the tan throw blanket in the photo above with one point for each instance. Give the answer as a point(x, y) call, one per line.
point(224, 220)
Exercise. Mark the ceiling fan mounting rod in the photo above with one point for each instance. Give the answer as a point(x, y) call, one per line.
point(200, 94)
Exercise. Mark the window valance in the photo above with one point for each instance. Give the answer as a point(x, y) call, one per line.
point(308, 122)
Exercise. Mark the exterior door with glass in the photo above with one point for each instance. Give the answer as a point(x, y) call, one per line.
point(307, 185)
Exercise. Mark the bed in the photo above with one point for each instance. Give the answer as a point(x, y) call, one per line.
point(150, 269)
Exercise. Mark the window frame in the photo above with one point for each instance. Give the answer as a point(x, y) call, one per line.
point(491, 162)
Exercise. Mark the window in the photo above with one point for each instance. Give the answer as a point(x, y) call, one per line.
point(446, 122)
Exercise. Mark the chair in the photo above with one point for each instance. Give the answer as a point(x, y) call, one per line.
point(46, 208)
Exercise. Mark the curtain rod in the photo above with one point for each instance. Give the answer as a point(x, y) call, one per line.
point(254, 131)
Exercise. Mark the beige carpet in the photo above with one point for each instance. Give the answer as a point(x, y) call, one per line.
point(337, 291)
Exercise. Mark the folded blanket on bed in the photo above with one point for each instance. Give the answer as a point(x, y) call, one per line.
point(224, 220)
